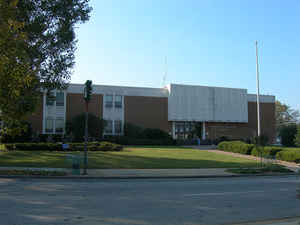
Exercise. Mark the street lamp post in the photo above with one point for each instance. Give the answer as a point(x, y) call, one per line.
point(87, 97)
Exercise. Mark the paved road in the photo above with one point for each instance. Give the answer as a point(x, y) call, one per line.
point(145, 202)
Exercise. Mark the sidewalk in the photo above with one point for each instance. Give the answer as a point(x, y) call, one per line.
point(139, 173)
point(286, 221)
point(290, 165)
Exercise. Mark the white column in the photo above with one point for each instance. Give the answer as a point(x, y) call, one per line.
point(44, 113)
point(173, 129)
point(203, 131)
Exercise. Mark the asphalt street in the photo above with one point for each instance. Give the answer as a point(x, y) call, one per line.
point(147, 201)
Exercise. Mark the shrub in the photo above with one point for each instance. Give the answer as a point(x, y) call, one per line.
point(261, 140)
point(135, 135)
point(19, 131)
point(34, 147)
point(132, 130)
point(297, 137)
point(289, 155)
point(151, 133)
point(266, 151)
point(122, 140)
point(107, 146)
point(43, 137)
point(76, 127)
point(92, 146)
point(287, 134)
point(221, 139)
point(236, 147)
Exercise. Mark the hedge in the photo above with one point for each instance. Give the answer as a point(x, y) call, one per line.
point(236, 147)
point(123, 140)
point(266, 151)
point(92, 146)
point(34, 147)
point(289, 155)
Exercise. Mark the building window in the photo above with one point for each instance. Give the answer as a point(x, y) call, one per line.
point(108, 101)
point(118, 101)
point(50, 99)
point(49, 125)
point(108, 127)
point(59, 125)
point(60, 99)
point(118, 126)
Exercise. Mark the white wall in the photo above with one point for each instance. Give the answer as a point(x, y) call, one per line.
point(201, 103)
point(121, 90)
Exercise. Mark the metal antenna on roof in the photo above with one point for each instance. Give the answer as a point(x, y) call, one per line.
point(165, 73)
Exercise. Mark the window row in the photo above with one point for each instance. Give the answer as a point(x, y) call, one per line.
point(58, 99)
point(111, 100)
point(113, 127)
point(53, 125)
point(184, 127)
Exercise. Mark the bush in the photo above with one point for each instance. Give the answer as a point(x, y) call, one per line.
point(150, 133)
point(76, 127)
point(297, 137)
point(122, 140)
point(132, 131)
point(266, 151)
point(34, 147)
point(261, 140)
point(96, 146)
point(107, 146)
point(287, 134)
point(236, 147)
point(92, 146)
point(135, 135)
point(221, 139)
point(20, 131)
point(289, 155)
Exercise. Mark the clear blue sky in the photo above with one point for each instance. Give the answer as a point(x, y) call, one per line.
point(206, 43)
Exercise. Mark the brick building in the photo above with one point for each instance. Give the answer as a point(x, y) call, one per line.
point(227, 112)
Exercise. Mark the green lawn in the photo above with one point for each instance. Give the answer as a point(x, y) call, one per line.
point(130, 157)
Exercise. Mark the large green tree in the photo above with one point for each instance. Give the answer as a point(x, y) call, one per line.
point(285, 115)
point(37, 44)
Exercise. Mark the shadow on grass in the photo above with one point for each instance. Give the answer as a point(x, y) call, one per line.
point(110, 160)
point(122, 160)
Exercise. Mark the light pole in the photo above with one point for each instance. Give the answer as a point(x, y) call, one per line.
point(87, 97)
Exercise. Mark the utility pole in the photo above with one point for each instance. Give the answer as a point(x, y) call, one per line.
point(257, 80)
point(87, 97)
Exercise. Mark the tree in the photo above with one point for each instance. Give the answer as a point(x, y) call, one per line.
point(285, 115)
point(287, 134)
point(37, 44)
point(76, 127)
point(297, 137)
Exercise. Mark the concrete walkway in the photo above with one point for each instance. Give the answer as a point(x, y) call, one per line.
point(288, 221)
point(140, 173)
point(290, 165)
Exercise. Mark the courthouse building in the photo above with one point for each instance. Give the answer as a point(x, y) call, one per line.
point(230, 112)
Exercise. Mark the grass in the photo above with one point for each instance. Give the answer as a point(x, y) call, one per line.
point(129, 158)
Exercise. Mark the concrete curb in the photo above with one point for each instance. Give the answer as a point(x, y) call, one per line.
point(279, 221)
point(143, 177)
